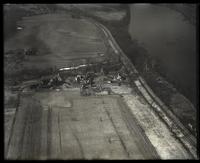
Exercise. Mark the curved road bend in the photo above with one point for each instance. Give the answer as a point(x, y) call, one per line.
point(188, 140)
point(102, 128)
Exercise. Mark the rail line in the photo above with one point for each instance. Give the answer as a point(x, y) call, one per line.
point(187, 140)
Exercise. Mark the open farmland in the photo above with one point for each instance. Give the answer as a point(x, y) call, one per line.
point(73, 127)
point(57, 38)
point(108, 12)
point(87, 100)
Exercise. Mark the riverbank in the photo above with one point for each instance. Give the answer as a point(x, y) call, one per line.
point(150, 69)
point(159, 134)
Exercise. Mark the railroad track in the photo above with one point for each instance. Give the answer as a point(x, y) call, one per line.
point(187, 140)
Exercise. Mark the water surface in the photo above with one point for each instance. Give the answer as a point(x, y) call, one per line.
point(165, 34)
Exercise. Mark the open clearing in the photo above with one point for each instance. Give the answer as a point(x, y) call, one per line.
point(58, 38)
point(61, 124)
point(65, 125)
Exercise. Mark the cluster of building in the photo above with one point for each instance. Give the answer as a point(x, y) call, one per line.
point(89, 82)
point(86, 78)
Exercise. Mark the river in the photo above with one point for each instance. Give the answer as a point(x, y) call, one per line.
point(165, 34)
